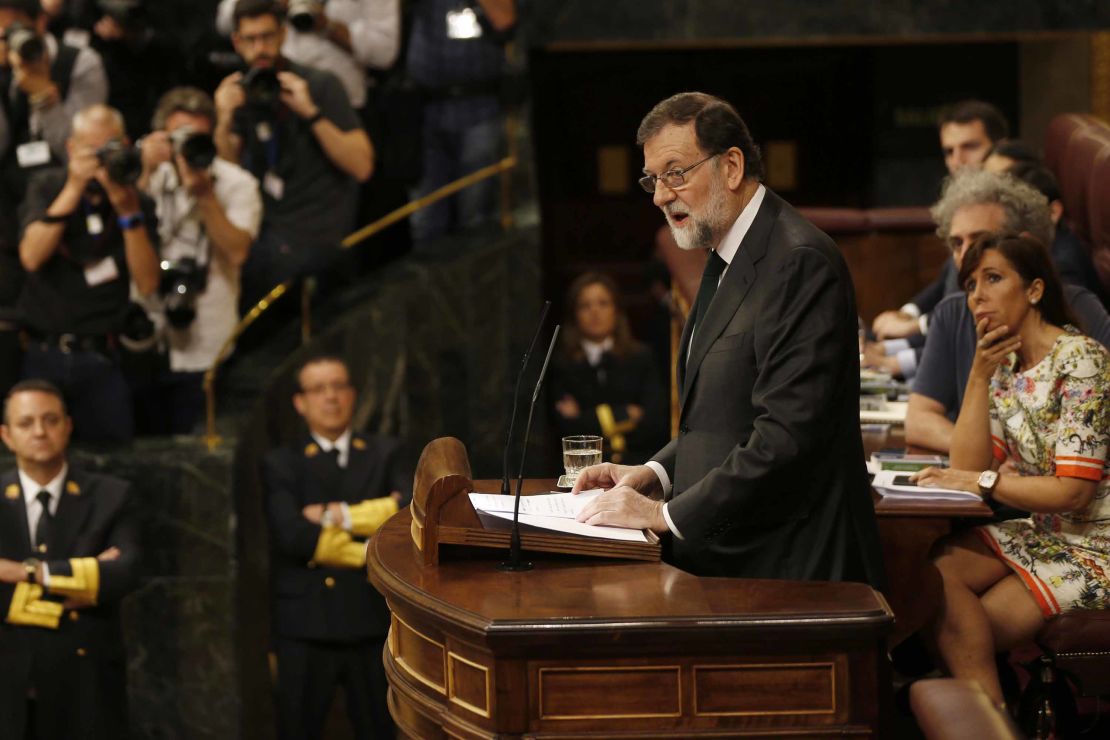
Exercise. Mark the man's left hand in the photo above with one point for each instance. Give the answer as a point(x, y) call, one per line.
point(295, 95)
point(624, 507)
point(124, 198)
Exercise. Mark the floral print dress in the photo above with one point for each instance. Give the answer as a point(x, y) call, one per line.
point(1054, 420)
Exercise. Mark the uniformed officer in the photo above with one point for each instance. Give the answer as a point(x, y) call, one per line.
point(323, 499)
point(69, 552)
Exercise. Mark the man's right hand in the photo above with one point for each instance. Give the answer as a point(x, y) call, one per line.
point(230, 96)
point(639, 478)
point(895, 325)
point(83, 165)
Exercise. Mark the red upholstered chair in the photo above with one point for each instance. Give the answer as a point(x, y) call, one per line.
point(1098, 214)
point(1059, 133)
point(954, 709)
point(1083, 153)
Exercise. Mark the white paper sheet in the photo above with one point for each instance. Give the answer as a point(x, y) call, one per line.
point(885, 485)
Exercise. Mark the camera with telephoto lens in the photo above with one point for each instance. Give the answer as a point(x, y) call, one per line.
point(182, 280)
point(25, 42)
point(197, 149)
point(263, 90)
point(302, 13)
point(123, 163)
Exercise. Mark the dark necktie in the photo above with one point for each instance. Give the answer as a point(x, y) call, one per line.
point(46, 520)
point(714, 266)
point(332, 471)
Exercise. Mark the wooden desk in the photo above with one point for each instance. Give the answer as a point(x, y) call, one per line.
point(595, 648)
point(908, 531)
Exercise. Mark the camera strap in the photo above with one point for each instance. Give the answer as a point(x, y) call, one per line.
point(173, 225)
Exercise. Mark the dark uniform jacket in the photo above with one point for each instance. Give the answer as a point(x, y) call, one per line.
point(313, 601)
point(768, 471)
point(74, 659)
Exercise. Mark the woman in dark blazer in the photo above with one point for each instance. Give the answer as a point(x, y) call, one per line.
point(603, 381)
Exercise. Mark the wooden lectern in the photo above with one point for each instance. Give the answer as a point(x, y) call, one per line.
point(588, 647)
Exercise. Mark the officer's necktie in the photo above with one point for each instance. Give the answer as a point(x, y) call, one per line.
point(709, 279)
point(46, 520)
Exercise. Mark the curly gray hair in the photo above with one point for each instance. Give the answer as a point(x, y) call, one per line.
point(1025, 209)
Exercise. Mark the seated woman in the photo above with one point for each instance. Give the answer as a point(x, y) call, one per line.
point(1036, 395)
point(602, 380)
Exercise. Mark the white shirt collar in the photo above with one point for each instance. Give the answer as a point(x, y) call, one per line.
point(342, 443)
point(54, 488)
point(594, 350)
point(728, 247)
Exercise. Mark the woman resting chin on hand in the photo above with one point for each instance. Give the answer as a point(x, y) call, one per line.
point(1036, 394)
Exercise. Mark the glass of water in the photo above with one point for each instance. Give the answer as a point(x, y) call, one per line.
point(580, 451)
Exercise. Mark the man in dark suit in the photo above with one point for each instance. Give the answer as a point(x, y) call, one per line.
point(69, 552)
point(768, 470)
point(324, 497)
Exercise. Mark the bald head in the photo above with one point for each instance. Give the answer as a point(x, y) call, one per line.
point(97, 125)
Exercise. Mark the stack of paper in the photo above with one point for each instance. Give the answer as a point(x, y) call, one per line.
point(553, 511)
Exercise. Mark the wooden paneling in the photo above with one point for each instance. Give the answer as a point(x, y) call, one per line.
point(765, 689)
point(590, 692)
point(420, 656)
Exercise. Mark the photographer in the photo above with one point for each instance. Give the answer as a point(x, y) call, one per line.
point(46, 84)
point(88, 234)
point(292, 127)
point(343, 37)
point(209, 211)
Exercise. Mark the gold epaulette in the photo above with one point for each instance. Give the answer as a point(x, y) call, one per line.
point(335, 548)
point(83, 583)
point(613, 430)
point(368, 516)
point(29, 609)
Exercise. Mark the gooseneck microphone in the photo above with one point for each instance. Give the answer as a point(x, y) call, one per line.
point(516, 397)
point(514, 563)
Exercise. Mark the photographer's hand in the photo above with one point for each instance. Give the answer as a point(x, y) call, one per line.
point(155, 148)
point(229, 97)
point(198, 183)
point(295, 95)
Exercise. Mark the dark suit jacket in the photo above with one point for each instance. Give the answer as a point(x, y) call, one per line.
point(305, 606)
point(78, 671)
point(768, 469)
point(619, 382)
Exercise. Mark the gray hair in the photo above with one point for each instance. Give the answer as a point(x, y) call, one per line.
point(1024, 208)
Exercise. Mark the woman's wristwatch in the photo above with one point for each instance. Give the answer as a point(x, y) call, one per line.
point(988, 479)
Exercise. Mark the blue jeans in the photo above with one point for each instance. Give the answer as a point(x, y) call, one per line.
point(451, 152)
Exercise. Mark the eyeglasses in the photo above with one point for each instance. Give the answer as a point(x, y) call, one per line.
point(673, 179)
point(266, 37)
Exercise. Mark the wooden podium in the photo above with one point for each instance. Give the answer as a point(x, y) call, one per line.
point(587, 647)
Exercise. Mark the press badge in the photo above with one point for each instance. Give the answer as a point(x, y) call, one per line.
point(463, 24)
point(104, 271)
point(94, 224)
point(33, 154)
point(273, 185)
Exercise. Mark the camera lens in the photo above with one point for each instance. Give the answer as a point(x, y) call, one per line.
point(198, 150)
point(123, 163)
point(263, 89)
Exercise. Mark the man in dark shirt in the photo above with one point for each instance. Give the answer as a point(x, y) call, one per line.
point(300, 137)
point(86, 238)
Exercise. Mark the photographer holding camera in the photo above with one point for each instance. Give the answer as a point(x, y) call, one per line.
point(209, 211)
point(293, 128)
point(44, 84)
point(88, 234)
point(344, 37)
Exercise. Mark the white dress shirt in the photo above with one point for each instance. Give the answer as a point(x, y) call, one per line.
point(726, 250)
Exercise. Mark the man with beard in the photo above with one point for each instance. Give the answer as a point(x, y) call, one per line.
point(767, 470)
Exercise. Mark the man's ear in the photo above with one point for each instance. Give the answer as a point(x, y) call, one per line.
point(5, 436)
point(737, 167)
point(298, 403)
point(1056, 211)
